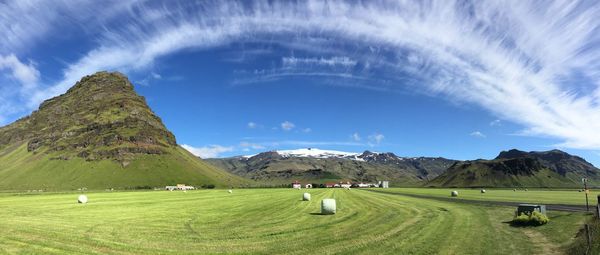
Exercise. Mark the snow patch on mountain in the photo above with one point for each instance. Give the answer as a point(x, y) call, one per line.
point(317, 153)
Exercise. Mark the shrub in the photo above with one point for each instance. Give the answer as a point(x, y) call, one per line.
point(208, 186)
point(534, 219)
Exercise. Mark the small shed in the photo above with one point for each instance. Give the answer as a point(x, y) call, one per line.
point(296, 185)
point(529, 208)
point(384, 184)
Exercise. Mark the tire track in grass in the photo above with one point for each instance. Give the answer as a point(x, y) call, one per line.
point(543, 245)
point(360, 240)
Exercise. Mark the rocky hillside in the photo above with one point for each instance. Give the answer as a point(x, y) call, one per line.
point(99, 134)
point(314, 165)
point(516, 168)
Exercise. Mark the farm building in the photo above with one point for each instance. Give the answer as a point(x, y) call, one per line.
point(179, 187)
point(345, 184)
point(363, 185)
point(384, 184)
point(330, 185)
point(296, 185)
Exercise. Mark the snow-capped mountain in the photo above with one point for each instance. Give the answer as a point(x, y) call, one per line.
point(325, 154)
point(317, 153)
point(317, 164)
point(312, 153)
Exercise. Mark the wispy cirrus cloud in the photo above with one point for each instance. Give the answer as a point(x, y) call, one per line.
point(336, 61)
point(538, 67)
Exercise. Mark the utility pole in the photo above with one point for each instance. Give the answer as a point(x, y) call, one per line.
point(587, 205)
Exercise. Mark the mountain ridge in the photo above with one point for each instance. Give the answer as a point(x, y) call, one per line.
point(515, 168)
point(98, 134)
point(315, 165)
point(511, 168)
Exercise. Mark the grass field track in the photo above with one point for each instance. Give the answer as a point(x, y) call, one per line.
point(266, 221)
point(553, 207)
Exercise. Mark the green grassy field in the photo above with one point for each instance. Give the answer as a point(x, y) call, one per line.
point(543, 196)
point(268, 221)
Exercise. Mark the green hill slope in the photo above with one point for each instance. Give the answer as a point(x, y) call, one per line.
point(520, 169)
point(100, 134)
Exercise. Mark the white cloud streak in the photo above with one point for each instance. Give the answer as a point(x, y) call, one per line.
point(356, 137)
point(287, 126)
point(477, 134)
point(538, 67)
point(375, 139)
point(332, 62)
point(211, 151)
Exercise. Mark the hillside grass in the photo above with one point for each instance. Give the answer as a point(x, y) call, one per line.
point(23, 170)
point(542, 196)
point(268, 221)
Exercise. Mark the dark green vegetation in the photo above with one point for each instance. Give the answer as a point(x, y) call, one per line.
point(271, 221)
point(530, 219)
point(273, 168)
point(520, 169)
point(580, 244)
point(98, 135)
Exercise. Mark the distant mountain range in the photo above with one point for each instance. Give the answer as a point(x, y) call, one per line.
point(511, 168)
point(99, 134)
point(315, 165)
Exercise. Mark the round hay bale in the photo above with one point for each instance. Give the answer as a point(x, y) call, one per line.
point(306, 197)
point(230, 191)
point(454, 193)
point(482, 191)
point(82, 199)
point(328, 206)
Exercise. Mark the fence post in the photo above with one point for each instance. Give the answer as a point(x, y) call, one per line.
point(589, 238)
point(598, 208)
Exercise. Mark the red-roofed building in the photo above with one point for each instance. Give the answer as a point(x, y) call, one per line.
point(296, 185)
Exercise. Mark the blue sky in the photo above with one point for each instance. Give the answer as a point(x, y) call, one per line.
point(460, 79)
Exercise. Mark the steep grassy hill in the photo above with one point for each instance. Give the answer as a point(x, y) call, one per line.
point(271, 167)
point(99, 134)
point(516, 168)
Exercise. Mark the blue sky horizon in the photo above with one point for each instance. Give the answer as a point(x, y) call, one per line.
point(455, 79)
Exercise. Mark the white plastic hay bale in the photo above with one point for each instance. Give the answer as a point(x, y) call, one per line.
point(482, 191)
point(230, 191)
point(328, 206)
point(82, 199)
point(306, 196)
point(454, 193)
